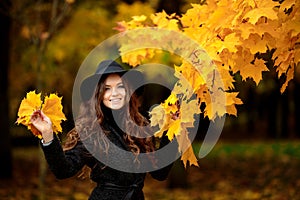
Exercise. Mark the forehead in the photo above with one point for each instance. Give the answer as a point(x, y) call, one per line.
point(113, 79)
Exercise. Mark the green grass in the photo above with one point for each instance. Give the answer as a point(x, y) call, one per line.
point(259, 148)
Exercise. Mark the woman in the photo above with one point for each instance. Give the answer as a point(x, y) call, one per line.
point(109, 116)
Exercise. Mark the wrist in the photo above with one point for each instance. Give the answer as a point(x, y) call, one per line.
point(47, 137)
point(46, 143)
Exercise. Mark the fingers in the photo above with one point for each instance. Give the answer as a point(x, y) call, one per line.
point(36, 117)
point(46, 118)
point(40, 121)
point(41, 125)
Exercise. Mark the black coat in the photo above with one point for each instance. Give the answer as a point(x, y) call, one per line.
point(111, 184)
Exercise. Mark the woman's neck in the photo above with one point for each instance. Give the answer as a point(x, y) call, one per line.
point(114, 117)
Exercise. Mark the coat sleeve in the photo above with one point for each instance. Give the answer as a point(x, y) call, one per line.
point(162, 174)
point(64, 164)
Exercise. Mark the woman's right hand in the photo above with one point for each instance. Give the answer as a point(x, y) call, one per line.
point(43, 124)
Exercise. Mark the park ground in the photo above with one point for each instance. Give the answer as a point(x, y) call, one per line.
point(233, 170)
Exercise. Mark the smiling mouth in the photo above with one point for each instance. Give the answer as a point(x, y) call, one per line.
point(115, 100)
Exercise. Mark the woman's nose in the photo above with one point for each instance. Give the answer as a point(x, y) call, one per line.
point(114, 91)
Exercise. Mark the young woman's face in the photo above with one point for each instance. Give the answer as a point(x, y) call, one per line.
point(114, 94)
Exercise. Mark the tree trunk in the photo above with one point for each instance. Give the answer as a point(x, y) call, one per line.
point(296, 102)
point(5, 143)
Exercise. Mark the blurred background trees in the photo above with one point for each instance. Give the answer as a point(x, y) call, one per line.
point(5, 145)
point(44, 43)
point(47, 58)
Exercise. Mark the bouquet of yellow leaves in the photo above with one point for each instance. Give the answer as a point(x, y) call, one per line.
point(33, 105)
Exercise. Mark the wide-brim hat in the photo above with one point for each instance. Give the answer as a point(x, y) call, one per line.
point(88, 85)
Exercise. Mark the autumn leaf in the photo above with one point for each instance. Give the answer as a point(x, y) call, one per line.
point(157, 114)
point(254, 71)
point(230, 42)
point(53, 109)
point(188, 110)
point(231, 101)
point(140, 18)
point(29, 104)
point(135, 58)
point(173, 129)
point(163, 20)
point(256, 42)
point(185, 148)
point(289, 77)
point(33, 104)
point(170, 104)
point(189, 157)
point(193, 17)
point(264, 9)
point(282, 61)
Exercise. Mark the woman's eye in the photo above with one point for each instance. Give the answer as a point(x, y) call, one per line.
point(121, 86)
point(107, 88)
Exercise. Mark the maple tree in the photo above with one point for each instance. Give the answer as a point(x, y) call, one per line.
point(233, 33)
point(33, 105)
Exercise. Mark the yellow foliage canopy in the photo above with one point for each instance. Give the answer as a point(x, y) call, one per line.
point(233, 33)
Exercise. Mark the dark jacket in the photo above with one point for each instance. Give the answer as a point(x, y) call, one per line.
point(111, 184)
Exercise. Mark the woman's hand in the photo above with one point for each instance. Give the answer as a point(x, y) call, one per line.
point(43, 124)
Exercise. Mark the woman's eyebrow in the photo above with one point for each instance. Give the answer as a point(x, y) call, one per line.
point(119, 83)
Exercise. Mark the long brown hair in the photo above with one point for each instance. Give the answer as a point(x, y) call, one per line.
point(92, 117)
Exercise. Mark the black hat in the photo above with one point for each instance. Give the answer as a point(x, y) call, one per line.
point(89, 84)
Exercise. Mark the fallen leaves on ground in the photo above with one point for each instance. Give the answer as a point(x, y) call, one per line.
point(243, 171)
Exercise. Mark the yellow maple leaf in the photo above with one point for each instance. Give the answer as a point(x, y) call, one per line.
point(254, 71)
point(256, 43)
point(51, 107)
point(227, 78)
point(231, 110)
point(135, 57)
point(174, 129)
point(263, 9)
point(283, 62)
point(289, 77)
point(163, 20)
point(29, 104)
point(231, 101)
point(221, 15)
point(165, 126)
point(230, 42)
point(189, 156)
point(170, 104)
point(158, 117)
point(187, 111)
point(193, 17)
point(157, 114)
point(140, 18)
point(185, 147)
